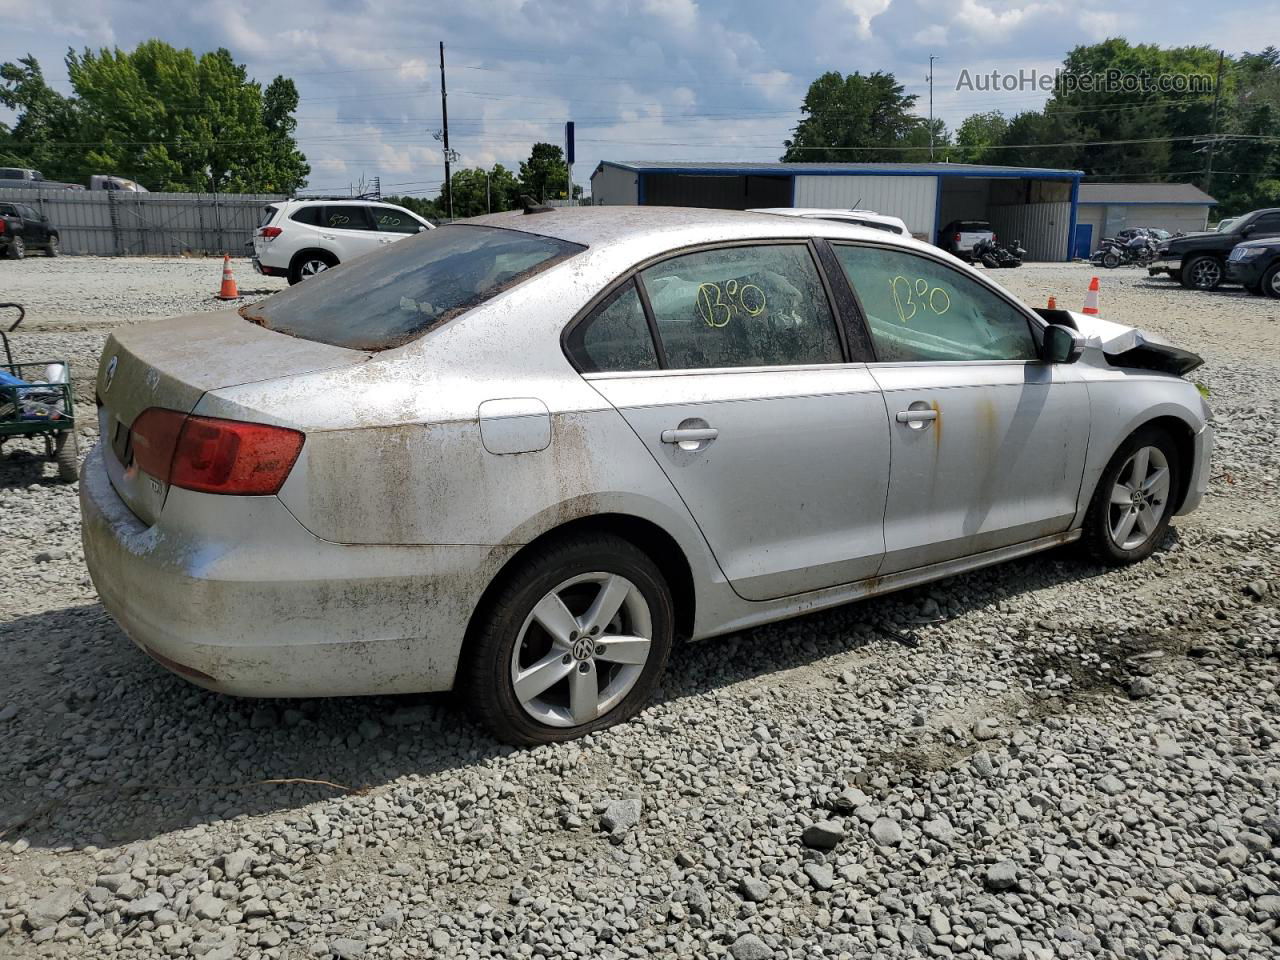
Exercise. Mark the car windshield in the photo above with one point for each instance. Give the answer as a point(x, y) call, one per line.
point(383, 301)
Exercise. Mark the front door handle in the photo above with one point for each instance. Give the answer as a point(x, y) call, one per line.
point(916, 416)
point(690, 435)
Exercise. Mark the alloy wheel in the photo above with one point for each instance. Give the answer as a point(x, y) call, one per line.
point(581, 649)
point(1206, 274)
point(1139, 498)
point(310, 268)
point(1275, 284)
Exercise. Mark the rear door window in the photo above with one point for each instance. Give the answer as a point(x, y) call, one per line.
point(350, 217)
point(750, 306)
point(391, 220)
point(413, 286)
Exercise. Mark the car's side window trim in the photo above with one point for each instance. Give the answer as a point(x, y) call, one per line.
point(861, 346)
point(1035, 324)
point(634, 272)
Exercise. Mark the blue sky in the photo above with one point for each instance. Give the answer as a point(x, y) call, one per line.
point(643, 79)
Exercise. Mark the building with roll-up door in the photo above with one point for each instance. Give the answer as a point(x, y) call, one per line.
point(1034, 205)
point(1108, 208)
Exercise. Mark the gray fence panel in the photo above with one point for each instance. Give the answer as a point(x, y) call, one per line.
point(118, 223)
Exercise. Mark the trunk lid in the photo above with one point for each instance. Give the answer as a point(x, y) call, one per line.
point(172, 364)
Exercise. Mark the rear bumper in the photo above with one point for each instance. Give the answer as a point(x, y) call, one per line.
point(1199, 482)
point(267, 609)
point(266, 271)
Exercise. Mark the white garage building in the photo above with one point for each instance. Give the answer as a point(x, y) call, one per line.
point(1032, 204)
point(1108, 208)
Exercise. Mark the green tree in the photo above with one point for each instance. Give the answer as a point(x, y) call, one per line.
point(544, 175)
point(46, 122)
point(977, 134)
point(846, 118)
point(163, 116)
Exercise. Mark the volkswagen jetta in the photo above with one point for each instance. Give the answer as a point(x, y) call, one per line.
point(521, 456)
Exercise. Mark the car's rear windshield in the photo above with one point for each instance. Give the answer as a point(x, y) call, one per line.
point(267, 214)
point(400, 293)
point(973, 225)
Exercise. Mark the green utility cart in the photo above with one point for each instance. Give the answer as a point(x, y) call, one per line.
point(35, 401)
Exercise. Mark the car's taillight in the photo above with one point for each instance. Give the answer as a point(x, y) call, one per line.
point(957, 239)
point(2, 225)
point(994, 238)
point(212, 455)
point(270, 233)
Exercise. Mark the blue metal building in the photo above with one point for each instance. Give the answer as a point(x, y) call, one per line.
point(1033, 204)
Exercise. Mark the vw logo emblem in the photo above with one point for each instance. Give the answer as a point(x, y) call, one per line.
point(111, 371)
point(584, 648)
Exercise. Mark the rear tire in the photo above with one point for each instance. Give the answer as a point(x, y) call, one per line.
point(1110, 261)
point(1120, 526)
point(309, 264)
point(1203, 273)
point(572, 683)
point(17, 248)
point(66, 453)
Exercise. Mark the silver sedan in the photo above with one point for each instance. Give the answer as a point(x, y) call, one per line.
point(521, 456)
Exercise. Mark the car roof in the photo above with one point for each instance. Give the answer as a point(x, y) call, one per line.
point(648, 231)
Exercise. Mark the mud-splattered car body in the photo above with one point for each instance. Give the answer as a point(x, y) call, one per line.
point(429, 467)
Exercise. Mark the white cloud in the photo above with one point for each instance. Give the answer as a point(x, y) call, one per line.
point(865, 11)
point(678, 14)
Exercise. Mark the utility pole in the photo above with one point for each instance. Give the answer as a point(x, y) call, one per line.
point(1213, 141)
point(488, 203)
point(931, 59)
point(444, 116)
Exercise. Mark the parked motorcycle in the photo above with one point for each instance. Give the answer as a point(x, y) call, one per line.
point(996, 257)
point(1136, 251)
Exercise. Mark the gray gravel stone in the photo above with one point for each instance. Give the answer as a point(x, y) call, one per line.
point(621, 815)
point(749, 947)
point(1002, 875)
point(823, 835)
point(52, 907)
point(886, 832)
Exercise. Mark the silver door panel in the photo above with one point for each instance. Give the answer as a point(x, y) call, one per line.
point(1000, 464)
point(784, 471)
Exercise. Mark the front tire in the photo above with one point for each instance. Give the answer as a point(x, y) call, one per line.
point(1133, 504)
point(51, 248)
point(1271, 282)
point(574, 641)
point(1203, 273)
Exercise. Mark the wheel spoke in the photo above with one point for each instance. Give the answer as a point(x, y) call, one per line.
point(542, 675)
point(554, 617)
point(634, 650)
point(584, 692)
point(1122, 529)
point(1156, 486)
point(1147, 520)
point(1141, 460)
point(605, 607)
point(1121, 495)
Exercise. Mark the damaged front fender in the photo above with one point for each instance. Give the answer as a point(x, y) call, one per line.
point(1126, 346)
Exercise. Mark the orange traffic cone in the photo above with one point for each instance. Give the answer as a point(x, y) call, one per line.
point(1091, 299)
point(228, 291)
point(1053, 304)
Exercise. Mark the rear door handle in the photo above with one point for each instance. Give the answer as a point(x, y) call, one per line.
point(689, 434)
point(916, 416)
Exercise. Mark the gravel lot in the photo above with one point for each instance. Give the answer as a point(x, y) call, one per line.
point(1044, 759)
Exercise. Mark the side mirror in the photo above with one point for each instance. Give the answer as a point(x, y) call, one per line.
point(1061, 344)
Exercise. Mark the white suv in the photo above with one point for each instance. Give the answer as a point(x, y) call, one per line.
point(299, 238)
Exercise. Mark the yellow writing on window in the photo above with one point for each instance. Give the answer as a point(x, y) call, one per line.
point(912, 296)
point(717, 304)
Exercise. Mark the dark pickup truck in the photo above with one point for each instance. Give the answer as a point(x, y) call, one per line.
point(1199, 260)
point(23, 229)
